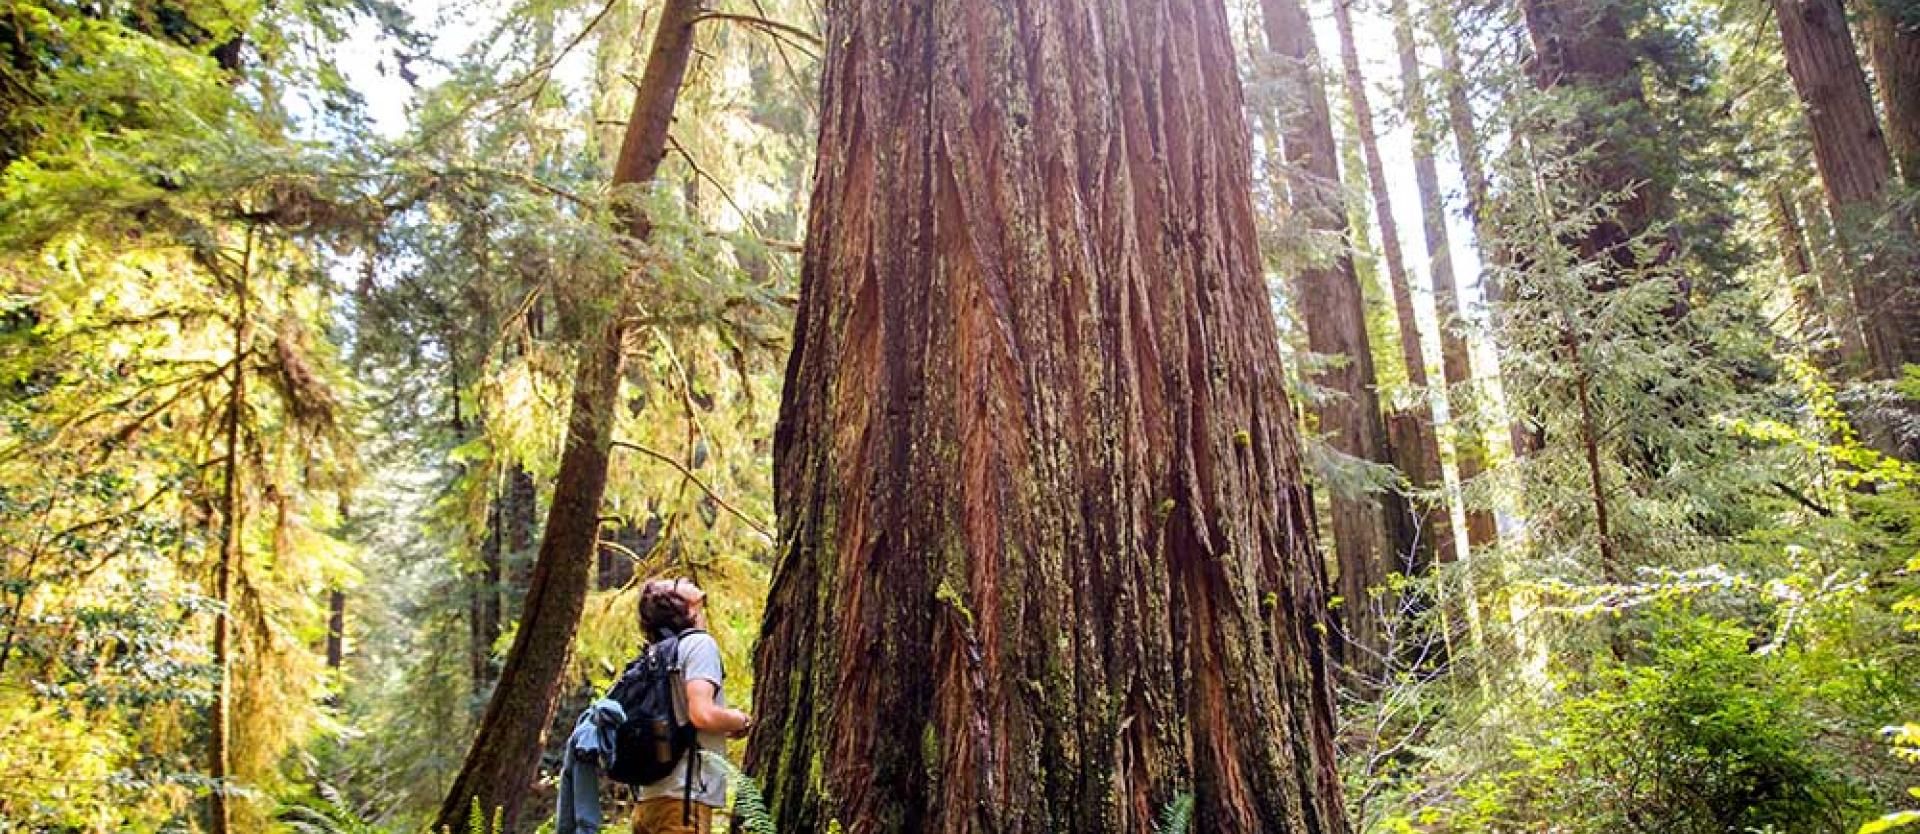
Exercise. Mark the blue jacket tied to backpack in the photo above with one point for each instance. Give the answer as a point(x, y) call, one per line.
point(590, 749)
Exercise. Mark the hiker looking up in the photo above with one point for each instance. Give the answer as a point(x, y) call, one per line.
point(682, 802)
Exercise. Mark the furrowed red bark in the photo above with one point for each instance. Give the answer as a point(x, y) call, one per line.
point(1855, 167)
point(1432, 525)
point(1469, 446)
point(1044, 556)
point(1331, 305)
point(500, 766)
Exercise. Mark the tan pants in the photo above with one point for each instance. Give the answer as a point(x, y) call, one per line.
point(666, 815)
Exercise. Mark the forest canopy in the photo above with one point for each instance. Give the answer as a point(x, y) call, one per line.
point(1315, 416)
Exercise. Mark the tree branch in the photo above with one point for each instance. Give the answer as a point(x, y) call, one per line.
point(756, 526)
point(773, 28)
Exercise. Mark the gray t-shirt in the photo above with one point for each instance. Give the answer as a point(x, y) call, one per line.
point(700, 660)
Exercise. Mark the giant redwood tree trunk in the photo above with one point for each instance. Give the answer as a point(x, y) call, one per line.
point(1855, 168)
point(500, 766)
point(1044, 552)
point(1420, 451)
point(1331, 305)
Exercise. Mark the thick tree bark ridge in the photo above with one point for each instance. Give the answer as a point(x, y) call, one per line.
point(1044, 552)
point(500, 765)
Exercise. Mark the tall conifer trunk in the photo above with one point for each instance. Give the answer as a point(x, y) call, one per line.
point(1330, 303)
point(1420, 452)
point(1469, 442)
point(232, 550)
point(1044, 555)
point(499, 767)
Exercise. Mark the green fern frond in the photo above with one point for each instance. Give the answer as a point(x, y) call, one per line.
point(749, 804)
point(1177, 816)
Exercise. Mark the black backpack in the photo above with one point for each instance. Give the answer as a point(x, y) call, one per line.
point(656, 735)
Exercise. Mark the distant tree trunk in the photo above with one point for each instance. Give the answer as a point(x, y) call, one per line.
point(1336, 321)
point(484, 618)
point(1813, 302)
point(616, 565)
point(517, 508)
point(1893, 47)
point(1433, 527)
point(1044, 557)
point(1855, 167)
point(337, 611)
point(1582, 45)
point(232, 550)
point(1473, 169)
point(1836, 298)
point(1469, 442)
point(499, 767)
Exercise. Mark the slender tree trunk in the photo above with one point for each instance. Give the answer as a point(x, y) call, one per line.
point(336, 628)
point(1466, 138)
point(484, 616)
point(1331, 305)
point(1815, 305)
point(1893, 47)
point(499, 767)
point(1855, 168)
point(616, 566)
point(1469, 442)
point(232, 550)
point(1433, 524)
point(1836, 298)
point(337, 613)
point(518, 514)
point(1041, 514)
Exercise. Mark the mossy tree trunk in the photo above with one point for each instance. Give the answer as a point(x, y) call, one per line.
point(1044, 555)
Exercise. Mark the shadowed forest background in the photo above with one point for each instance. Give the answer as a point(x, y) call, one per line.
point(1317, 416)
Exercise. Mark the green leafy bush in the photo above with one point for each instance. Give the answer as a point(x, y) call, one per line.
point(1709, 737)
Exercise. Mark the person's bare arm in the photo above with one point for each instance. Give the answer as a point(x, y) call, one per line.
point(709, 716)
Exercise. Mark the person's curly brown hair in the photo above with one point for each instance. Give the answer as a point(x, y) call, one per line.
point(663, 611)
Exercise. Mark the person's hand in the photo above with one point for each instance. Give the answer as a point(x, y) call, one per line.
point(746, 726)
